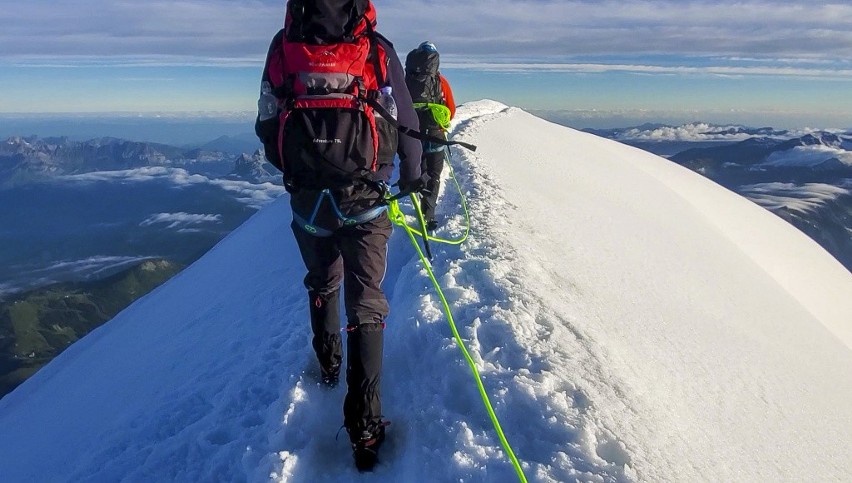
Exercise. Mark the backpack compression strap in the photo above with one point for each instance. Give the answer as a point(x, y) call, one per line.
point(411, 132)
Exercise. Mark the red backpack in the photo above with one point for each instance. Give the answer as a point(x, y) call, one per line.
point(323, 67)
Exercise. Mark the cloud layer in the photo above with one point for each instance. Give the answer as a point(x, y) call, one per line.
point(786, 34)
point(251, 194)
point(809, 156)
point(180, 220)
point(768, 28)
point(805, 198)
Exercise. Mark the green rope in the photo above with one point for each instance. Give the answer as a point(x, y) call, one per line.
point(457, 241)
point(398, 218)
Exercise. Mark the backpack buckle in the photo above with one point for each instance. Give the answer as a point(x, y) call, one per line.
point(362, 88)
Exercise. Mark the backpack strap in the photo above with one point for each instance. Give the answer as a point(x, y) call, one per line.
point(371, 100)
point(374, 53)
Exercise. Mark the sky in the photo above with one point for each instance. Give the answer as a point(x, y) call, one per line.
point(760, 62)
point(714, 346)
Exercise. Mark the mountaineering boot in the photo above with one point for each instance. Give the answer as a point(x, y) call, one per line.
point(365, 447)
point(431, 226)
point(327, 343)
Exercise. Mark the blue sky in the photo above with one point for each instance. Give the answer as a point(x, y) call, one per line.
point(780, 63)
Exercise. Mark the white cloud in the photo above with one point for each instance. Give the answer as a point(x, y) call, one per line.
point(791, 119)
point(185, 28)
point(809, 156)
point(719, 70)
point(254, 195)
point(92, 265)
point(702, 131)
point(237, 33)
point(180, 220)
point(149, 173)
point(748, 28)
point(686, 132)
point(804, 198)
point(6, 288)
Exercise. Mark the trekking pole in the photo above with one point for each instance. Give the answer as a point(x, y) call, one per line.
point(422, 221)
point(389, 200)
point(419, 230)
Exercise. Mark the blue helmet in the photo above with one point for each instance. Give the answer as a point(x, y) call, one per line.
point(428, 46)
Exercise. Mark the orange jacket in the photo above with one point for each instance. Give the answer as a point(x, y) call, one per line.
point(448, 96)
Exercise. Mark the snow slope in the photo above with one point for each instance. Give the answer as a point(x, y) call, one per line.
point(632, 321)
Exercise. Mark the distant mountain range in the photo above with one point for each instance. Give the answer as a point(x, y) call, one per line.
point(55, 156)
point(75, 207)
point(255, 167)
point(78, 211)
point(23, 159)
point(817, 157)
point(235, 145)
point(803, 177)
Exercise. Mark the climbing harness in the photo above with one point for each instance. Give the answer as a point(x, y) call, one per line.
point(308, 225)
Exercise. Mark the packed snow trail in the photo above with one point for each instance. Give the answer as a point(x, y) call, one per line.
point(399, 218)
point(631, 320)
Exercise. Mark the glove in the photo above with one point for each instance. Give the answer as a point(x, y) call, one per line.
point(415, 185)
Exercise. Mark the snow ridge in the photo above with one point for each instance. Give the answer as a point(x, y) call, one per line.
point(624, 329)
